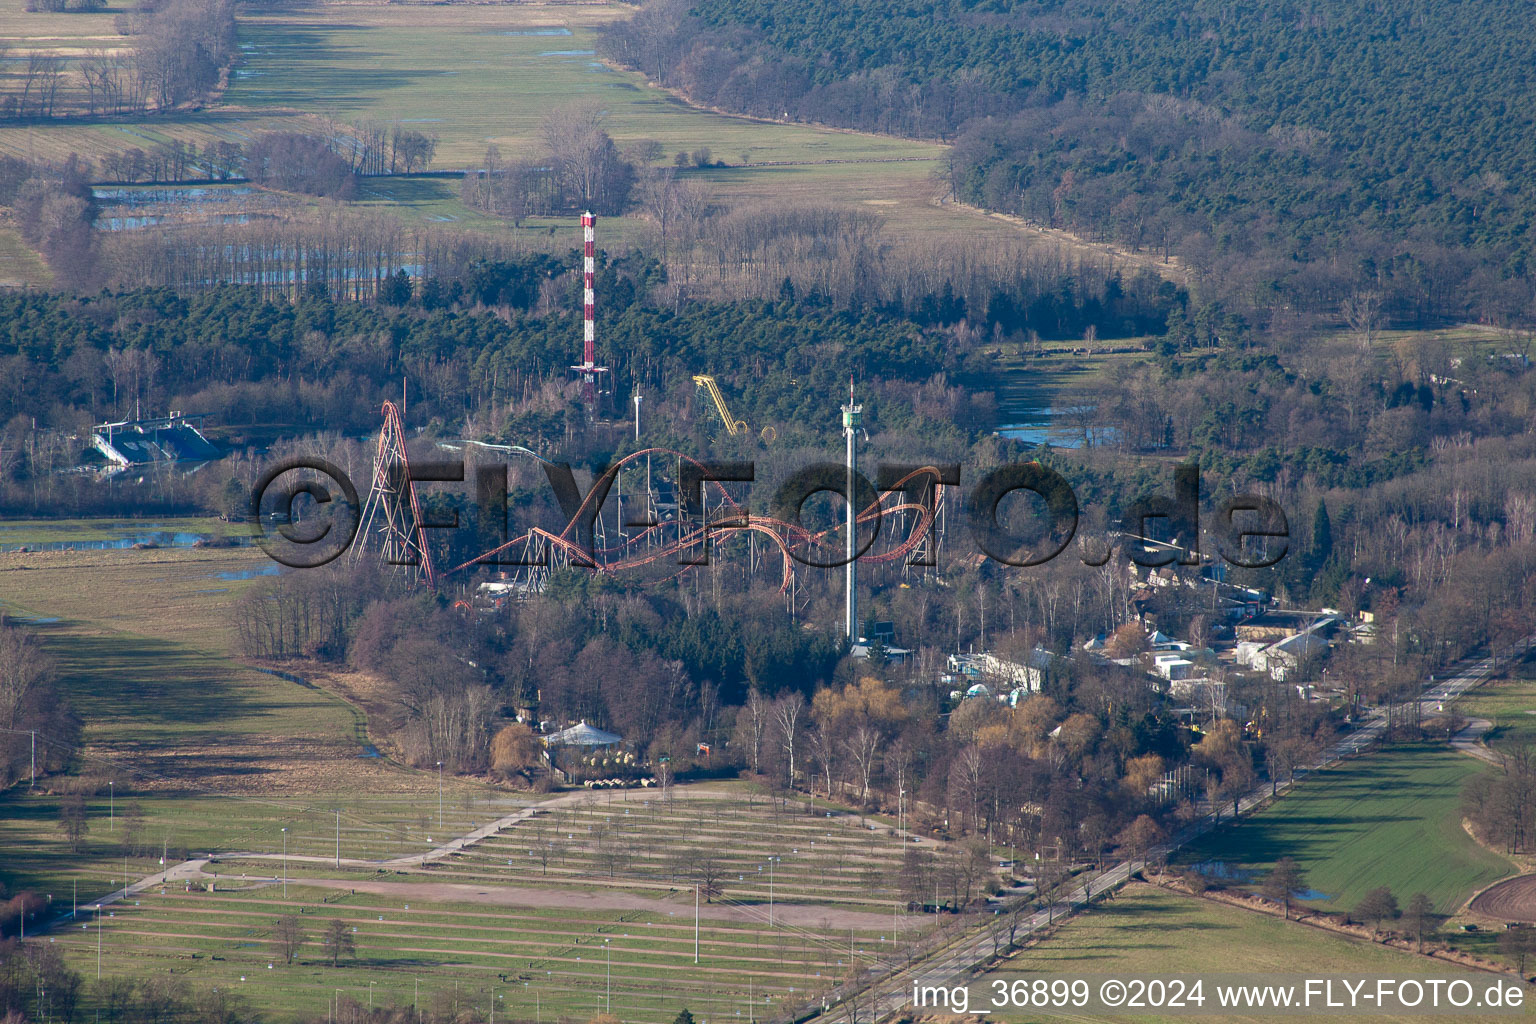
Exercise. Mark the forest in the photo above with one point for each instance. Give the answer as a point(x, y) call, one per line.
point(489, 334)
point(1290, 153)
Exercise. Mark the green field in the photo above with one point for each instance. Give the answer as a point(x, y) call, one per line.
point(20, 265)
point(493, 917)
point(1510, 704)
point(481, 74)
point(1389, 818)
point(217, 754)
point(1147, 932)
point(530, 960)
point(220, 758)
point(473, 75)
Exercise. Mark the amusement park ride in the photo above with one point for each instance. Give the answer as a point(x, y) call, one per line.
point(653, 535)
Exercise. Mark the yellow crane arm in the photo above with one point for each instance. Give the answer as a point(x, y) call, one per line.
point(732, 426)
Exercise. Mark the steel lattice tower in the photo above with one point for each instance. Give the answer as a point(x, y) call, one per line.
point(391, 518)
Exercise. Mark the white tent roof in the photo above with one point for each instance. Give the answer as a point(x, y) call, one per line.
point(582, 735)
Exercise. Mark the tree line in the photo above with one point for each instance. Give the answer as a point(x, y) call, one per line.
point(174, 53)
point(580, 169)
point(31, 700)
point(313, 163)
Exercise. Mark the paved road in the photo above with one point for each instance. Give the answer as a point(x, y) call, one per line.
point(953, 965)
point(1470, 741)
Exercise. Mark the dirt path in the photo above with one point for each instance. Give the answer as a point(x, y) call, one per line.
point(679, 904)
point(468, 838)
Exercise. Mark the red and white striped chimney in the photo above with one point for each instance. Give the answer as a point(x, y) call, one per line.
point(588, 295)
point(589, 369)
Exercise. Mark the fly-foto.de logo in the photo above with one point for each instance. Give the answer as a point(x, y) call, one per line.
point(1019, 514)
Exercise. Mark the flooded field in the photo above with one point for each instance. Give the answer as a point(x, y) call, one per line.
point(120, 534)
point(133, 208)
point(1050, 399)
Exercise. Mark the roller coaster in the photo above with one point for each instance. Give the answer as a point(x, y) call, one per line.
point(733, 426)
point(653, 531)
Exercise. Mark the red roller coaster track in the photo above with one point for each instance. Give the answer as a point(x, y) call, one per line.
point(392, 516)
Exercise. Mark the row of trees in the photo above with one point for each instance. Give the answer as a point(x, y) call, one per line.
point(1286, 880)
point(37, 985)
point(1502, 804)
point(176, 53)
point(315, 163)
point(55, 211)
point(579, 169)
point(31, 701)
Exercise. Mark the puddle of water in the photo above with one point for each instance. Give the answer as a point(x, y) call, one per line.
point(182, 194)
point(249, 574)
point(1231, 873)
point(568, 53)
point(1042, 425)
point(535, 32)
point(164, 539)
point(1227, 872)
point(127, 223)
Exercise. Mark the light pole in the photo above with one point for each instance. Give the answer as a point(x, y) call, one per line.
point(901, 816)
point(111, 805)
point(285, 863)
point(338, 856)
point(609, 998)
point(695, 922)
point(770, 889)
point(439, 796)
point(98, 942)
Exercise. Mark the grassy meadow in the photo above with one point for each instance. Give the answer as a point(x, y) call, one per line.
point(1388, 818)
point(1510, 704)
point(477, 75)
point(1146, 932)
point(562, 963)
point(206, 755)
point(216, 754)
